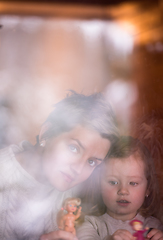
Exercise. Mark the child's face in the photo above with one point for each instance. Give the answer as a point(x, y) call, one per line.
point(124, 187)
point(70, 158)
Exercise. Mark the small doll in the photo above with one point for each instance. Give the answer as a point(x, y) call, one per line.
point(68, 214)
point(138, 227)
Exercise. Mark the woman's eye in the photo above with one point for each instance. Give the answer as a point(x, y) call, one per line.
point(92, 162)
point(73, 148)
point(113, 182)
point(133, 183)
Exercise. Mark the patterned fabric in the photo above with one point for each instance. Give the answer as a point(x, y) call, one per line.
point(27, 208)
point(99, 228)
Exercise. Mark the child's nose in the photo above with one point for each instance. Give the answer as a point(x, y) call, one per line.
point(123, 190)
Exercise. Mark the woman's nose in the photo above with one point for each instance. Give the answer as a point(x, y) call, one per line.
point(78, 166)
point(123, 190)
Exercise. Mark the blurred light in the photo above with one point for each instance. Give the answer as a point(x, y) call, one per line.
point(122, 95)
point(159, 46)
point(9, 21)
point(128, 27)
point(91, 29)
point(155, 47)
point(122, 40)
point(31, 24)
point(114, 32)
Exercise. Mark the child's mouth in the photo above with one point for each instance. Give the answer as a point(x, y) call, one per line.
point(123, 203)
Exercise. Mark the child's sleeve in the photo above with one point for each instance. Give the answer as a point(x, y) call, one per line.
point(92, 229)
point(152, 222)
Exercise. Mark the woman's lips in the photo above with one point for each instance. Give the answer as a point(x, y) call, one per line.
point(123, 203)
point(68, 178)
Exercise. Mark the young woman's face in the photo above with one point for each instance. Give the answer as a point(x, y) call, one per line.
point(124, 187)
point(70, 158)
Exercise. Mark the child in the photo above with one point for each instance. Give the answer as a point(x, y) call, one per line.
point(129, 191)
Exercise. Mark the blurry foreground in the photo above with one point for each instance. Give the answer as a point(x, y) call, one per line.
point(48, 49)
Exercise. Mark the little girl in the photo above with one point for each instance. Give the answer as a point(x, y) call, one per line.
point(129, 191)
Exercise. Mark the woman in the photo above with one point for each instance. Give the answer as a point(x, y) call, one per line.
point(34, 180)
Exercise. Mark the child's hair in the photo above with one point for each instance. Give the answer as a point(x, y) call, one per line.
point(149, 130)
point(62, 212)
point(90, 111)
point(124, 147)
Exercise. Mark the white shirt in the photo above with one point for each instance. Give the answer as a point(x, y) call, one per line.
point(27, 208)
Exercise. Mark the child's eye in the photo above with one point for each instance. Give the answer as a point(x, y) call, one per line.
point(113, 182)
point(73, 148)
point(133, 183)
point(92, 162)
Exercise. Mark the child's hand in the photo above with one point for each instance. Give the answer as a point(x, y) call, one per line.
point(121, 234)
point(155, 234)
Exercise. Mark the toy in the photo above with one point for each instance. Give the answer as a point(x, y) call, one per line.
point(137, 225)
point(68, 214)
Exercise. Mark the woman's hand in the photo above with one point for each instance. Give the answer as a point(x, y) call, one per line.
point(155, 234)
point(58, 235)
point(121, 234)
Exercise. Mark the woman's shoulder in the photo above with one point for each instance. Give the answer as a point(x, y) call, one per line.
point(9, 151)
point(6, 153)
